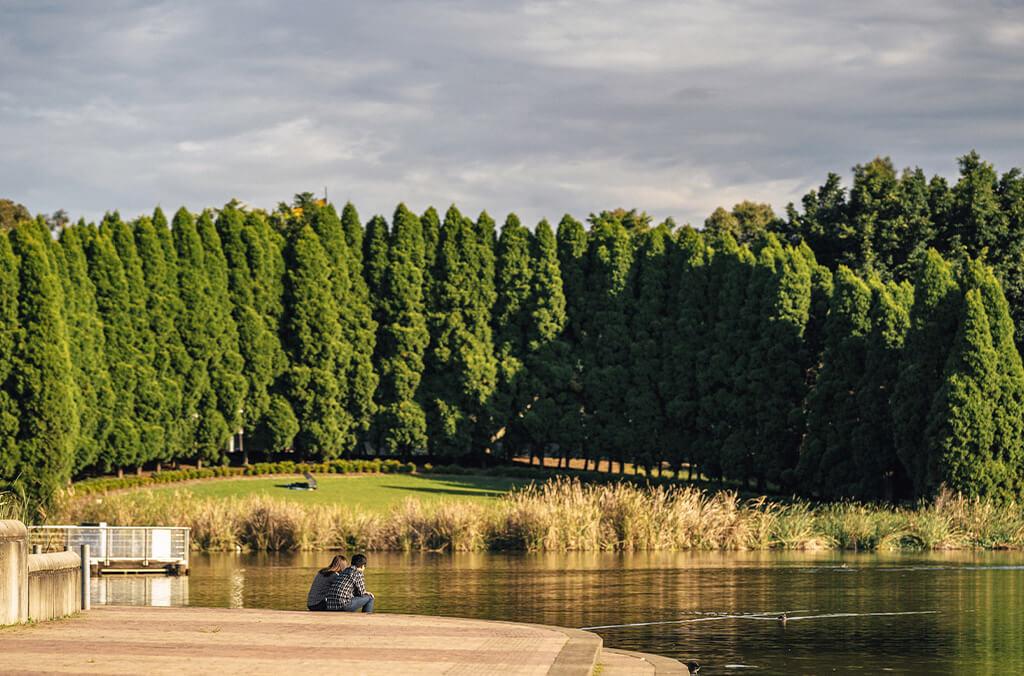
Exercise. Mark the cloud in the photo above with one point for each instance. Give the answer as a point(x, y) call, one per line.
point(538, 107)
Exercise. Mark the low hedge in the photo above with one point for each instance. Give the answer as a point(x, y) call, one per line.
point(339, 466)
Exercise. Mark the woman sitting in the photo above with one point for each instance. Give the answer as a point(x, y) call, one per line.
point(317, 597)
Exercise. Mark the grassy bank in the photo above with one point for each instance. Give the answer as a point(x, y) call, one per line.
point(375, 492)
point(563, 515)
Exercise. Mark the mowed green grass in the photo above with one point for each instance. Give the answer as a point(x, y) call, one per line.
point(373, 491)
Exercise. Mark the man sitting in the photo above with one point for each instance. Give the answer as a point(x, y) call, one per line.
point(348, 590)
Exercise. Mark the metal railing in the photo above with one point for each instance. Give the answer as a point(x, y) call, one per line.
point(143, 544)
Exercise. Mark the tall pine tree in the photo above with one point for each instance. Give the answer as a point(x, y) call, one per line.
point(961, 429)
point(10, 458)
point(402, 340)
point(933, 322)
point(316, 344)
point(43, 375)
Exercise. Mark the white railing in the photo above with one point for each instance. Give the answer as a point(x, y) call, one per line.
point(117, 544)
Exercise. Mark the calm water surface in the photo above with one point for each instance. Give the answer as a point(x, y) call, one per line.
point(959, 613)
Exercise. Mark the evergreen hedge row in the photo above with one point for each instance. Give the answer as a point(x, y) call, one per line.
point(337, 466)
point(865, 345)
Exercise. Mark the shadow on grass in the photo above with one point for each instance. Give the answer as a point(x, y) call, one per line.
point(469, 490)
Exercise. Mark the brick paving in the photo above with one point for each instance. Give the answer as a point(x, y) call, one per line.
point(230, 641)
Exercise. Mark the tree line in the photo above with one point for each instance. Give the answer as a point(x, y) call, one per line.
point(863, 346)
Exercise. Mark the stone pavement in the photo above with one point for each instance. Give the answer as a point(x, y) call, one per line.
point(231, 641)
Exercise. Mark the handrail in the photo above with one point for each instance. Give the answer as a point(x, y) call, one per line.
point(109, 527)
point(145, 544)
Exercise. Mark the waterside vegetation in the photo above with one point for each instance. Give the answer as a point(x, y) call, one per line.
point(566, 515)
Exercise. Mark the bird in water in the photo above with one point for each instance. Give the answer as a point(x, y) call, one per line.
point(693, 666)
point(782, 619)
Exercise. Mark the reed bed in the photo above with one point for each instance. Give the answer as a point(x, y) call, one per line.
point(11, 506)
point(564, 515)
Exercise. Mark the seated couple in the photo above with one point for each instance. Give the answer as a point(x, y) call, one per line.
point(340, 587)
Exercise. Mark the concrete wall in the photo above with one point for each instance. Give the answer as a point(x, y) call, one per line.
point(54, 585)
point(13, 572)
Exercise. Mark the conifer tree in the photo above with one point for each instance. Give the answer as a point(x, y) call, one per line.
point(124, 443)
point(652, 316)
point(226, 378)
point(42, 374)
point(778, 367)
point(209, 429)
point(483, 262)
point(375, 264)
point(350, 293)
point(257, 343)
point(572, 250)
point(690, 441)
point(827, 458)
point(909, 228)
point(402, 340)
point(9, 342)
point(461, 367)
point(153, 413)
point(1008, 409)
point(823, 225)
point(739, 439)
point(170, 360)
point(316, 344)
point(606, 336)
point(163, 233)
point(547, 360)
point(975, 220)
point(93, 391)
point(721, 394)
point(961, 429)
point(512, 325)
point(353, 228)
point(880, 473)
point(278, 427)
point(430, 224)
point(933, 322)
point(1010, 252)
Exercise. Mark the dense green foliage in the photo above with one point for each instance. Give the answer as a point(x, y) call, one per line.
point(863, 346)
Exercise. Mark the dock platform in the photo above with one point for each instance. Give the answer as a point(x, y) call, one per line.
point(120, 549)
point(233, 641)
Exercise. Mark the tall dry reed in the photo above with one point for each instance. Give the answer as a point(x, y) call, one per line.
point(564, 515)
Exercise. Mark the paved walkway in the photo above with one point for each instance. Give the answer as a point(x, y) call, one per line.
point(228, 641)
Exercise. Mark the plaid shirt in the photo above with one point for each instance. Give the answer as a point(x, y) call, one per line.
point(348, 584)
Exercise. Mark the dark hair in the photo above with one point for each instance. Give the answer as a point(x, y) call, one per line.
point(338, 564)
point(359, 560)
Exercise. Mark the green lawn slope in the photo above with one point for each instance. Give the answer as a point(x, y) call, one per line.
point(374, 491)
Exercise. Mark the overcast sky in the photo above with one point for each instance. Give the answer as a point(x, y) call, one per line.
point(535, 107)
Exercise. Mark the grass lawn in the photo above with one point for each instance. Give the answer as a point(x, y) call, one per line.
point(373, 491)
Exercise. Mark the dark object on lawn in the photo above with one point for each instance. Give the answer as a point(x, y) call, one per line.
point(692, 666)
point(308, 485)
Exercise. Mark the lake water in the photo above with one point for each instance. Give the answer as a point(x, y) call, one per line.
point(960, 612)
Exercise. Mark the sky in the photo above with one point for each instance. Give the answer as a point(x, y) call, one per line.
point(541, 108)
